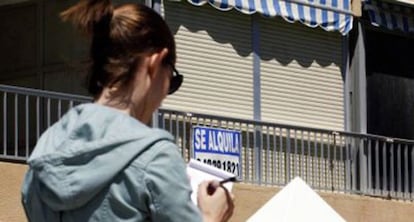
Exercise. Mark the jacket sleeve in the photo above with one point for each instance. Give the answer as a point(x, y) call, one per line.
point(169, 186)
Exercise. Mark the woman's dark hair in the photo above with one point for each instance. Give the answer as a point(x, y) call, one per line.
point(119, 37)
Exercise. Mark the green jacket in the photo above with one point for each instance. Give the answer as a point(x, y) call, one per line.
point(98, 164)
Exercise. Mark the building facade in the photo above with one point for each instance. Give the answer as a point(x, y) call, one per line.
point(275, 68)
point(304, 82)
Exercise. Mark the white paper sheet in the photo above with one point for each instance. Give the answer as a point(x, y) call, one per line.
point(296, 202)
point(199, 172)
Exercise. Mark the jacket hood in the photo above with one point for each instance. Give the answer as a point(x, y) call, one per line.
point(79, 155)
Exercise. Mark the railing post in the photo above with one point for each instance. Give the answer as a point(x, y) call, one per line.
point(5, 128)
point(331, 161)
point(392, 165)
point(354, 165)
point(155, 123)
point(348, 164)
point(258, 153)
point(363, 171)
point(287, 156)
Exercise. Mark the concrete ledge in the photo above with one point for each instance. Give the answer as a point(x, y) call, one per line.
point(249, 198)
point(11, 177)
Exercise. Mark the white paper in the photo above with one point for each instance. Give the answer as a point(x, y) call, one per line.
point(199, 172)
point(296, 202)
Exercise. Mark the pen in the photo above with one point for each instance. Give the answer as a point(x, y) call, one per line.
point(230, 179)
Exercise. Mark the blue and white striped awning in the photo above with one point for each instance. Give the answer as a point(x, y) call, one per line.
point(391, 16)
point(331, 15)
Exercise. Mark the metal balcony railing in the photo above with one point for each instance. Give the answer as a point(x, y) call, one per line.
point(25, 114)
point(271, 154)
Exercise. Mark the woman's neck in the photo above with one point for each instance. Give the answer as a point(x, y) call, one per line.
point(136, 110)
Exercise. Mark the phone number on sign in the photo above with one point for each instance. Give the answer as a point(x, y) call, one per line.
point(228, 165)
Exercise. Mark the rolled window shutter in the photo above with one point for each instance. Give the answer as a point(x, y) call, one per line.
point(214, 55)
point(301, 81)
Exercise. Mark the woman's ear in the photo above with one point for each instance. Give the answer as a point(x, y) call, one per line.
point(156, 61)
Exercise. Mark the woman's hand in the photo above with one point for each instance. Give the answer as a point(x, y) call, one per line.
point(215, 202)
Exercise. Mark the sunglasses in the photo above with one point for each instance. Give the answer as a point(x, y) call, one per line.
point(176, 80)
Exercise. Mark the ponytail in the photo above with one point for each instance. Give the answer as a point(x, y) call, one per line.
point(89, 16)
point(119, 37)
point(93, 17)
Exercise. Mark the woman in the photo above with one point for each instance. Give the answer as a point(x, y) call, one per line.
point(101, 162)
